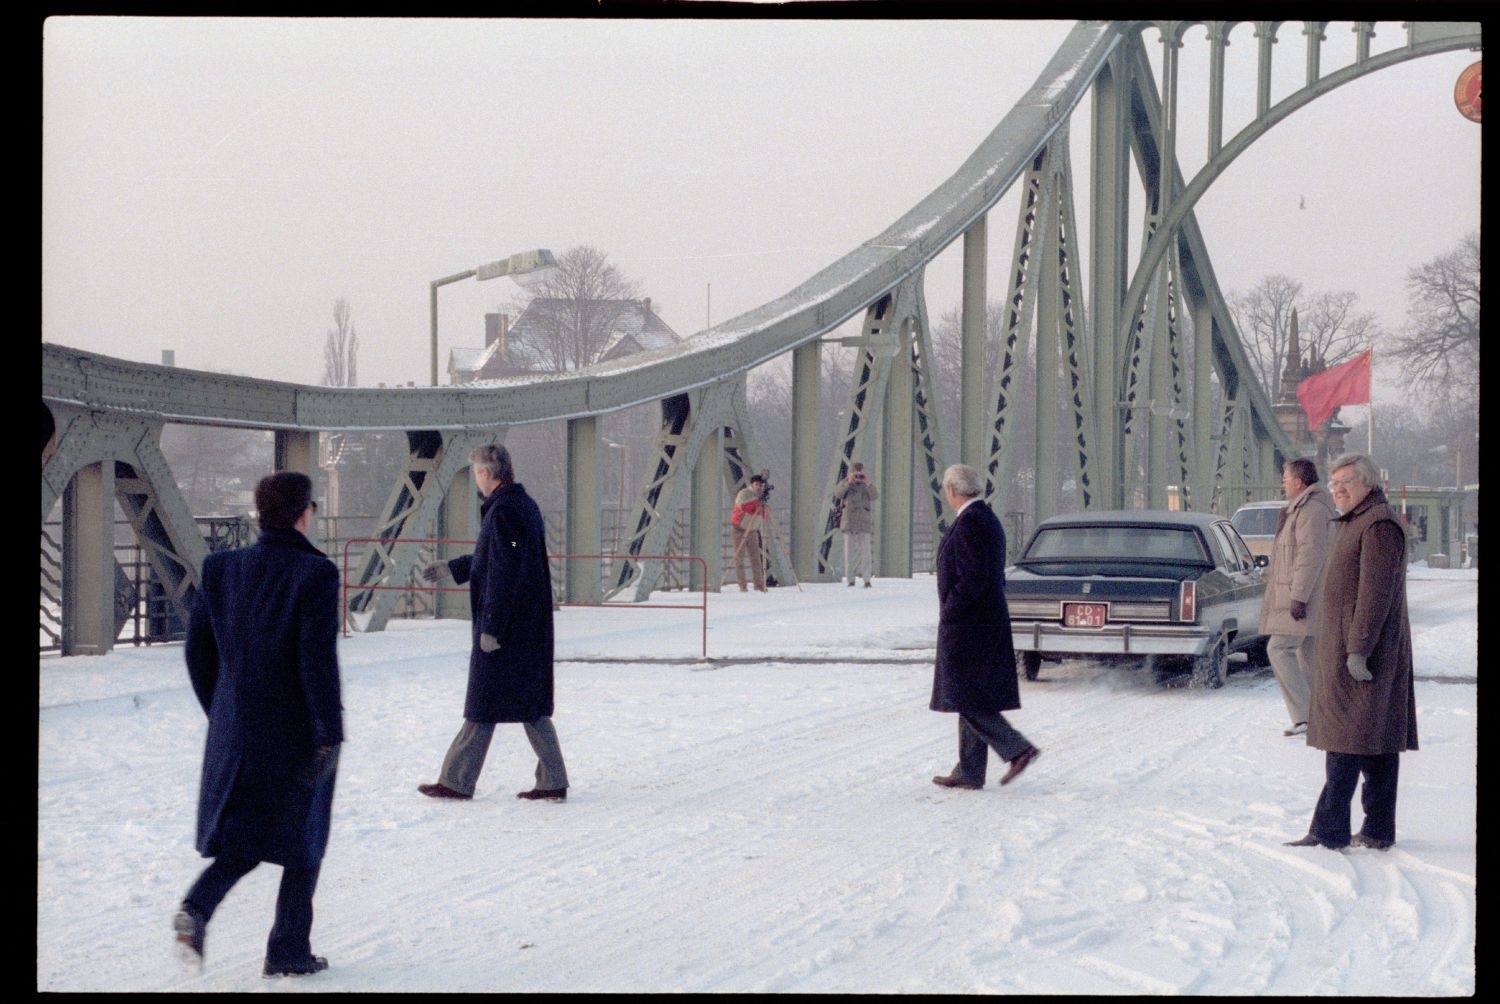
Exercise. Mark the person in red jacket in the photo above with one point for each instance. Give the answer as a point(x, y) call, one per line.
point(747, 523)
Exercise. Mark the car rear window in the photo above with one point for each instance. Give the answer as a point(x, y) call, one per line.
point(1256, 521)
point(1127, 543)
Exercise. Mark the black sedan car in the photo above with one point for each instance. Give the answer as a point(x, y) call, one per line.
point(1179, 587)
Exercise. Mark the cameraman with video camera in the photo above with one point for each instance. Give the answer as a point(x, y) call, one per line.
point(747, 522)
point(854, 495)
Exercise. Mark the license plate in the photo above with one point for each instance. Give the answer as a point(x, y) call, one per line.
point(1089, 615)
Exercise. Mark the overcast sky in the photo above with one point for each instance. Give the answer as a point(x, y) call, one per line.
point(212, 186)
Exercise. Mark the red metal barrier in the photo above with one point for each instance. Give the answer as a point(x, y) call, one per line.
point(703, 568)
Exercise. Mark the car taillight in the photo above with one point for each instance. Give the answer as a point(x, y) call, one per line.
point(1187, 601)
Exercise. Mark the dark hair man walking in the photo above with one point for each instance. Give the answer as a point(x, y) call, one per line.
point(261, 654)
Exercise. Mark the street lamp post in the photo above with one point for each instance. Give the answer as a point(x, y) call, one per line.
point(527, 263)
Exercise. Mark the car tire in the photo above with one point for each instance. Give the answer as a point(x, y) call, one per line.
point(1031, 664)
point(1165, 670)
point(1211, 669)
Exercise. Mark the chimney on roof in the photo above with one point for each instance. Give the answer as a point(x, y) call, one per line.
point(497, 329)
point(646, 303)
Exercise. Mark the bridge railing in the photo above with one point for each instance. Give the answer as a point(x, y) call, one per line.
point(424, 589)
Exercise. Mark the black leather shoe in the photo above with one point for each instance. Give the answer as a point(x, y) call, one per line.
point(308, 966)
point(948, 781)
point(1312, 841)
point(191, 928)
point(1020, 763)
point(1360, 840)
point(549, 794)
point(441, 790)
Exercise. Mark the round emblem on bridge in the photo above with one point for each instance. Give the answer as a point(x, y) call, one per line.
point(1466, 92)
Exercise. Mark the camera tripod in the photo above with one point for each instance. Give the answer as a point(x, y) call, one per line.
point(765, 557)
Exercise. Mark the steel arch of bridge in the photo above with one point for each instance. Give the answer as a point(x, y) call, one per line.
point(1119, 373)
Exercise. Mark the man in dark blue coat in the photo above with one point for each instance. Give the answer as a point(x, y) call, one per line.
point(510, 607)
point(976, 660)
point(261, 655)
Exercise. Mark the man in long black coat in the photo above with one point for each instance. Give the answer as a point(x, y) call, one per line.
point(975, 673)
point(261, 655)
point(510, 607)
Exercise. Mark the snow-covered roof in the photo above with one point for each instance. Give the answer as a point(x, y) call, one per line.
point(635, 328)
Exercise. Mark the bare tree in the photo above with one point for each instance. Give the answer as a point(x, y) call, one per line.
point(574, 310)
point(341, 348)
point(1263, 315)
point(1328, 327)
point(1440, 344)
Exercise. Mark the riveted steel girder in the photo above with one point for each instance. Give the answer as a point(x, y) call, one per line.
point(879, 342)
point(86, 391)
point(1178, 226)
point(804, 313)
point(410, 513)
point(127, 453)
point(714, 416)
point(1062, 370)
point(1020, 304)
point(580, 575)
point(806, 506)
point(971, 437)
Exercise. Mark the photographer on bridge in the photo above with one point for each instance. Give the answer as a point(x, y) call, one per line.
point(854, 495)
point(747, 522)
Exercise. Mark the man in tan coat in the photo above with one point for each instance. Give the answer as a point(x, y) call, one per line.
point(1364, 708)
point(854, 494)
point(1287, 613)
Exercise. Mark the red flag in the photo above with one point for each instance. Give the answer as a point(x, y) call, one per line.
point(1323, 393)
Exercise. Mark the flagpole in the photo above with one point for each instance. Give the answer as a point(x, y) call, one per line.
point(1370, 425)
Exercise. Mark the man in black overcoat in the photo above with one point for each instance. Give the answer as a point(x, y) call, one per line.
point(261, 655)
point(976, 660)
point(510, 607)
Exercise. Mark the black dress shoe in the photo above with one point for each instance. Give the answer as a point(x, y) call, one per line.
point(306, 967)
point(1020, 763)
point(441, 790)
point(1360, 840)
point(549, 794)
point(1312, 841)
point(948, 781)
point(191, 928)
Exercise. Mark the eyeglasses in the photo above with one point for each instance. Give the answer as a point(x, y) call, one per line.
point(1343, 482)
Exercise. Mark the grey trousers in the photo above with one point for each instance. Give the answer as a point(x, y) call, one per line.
point(466, 755)
point(857, 557)
point(977, 735)
point(1291, 658)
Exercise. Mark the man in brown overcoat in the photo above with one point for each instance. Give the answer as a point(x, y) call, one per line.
point(1364, 708)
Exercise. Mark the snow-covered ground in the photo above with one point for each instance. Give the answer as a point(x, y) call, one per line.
point(765, 822)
